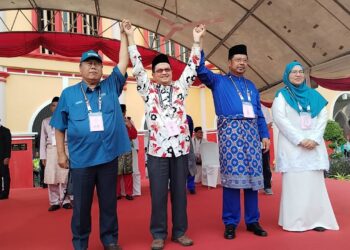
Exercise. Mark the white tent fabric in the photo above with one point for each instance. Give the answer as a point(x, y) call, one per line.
point(335, 69)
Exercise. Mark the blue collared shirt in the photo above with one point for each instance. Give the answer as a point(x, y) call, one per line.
point(226, 99)
point(87, 148)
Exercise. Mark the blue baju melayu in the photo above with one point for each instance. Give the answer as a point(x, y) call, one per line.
point(239, 142)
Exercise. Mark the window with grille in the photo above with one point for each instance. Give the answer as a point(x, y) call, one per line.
point(184, 54)
point(90, 25)
point(69, 22)
point(154, 41)
point(170, 48)
point(47, 23)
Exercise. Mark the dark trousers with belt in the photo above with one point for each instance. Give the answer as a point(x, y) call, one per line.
point(104, 178)
point(160, 171)
point(4, 179)
point(266, 169)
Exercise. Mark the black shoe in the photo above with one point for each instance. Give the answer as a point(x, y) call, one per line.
point(192, 191)
point(4, 197)
point(230, 232)
point(112, 247)
point(256, 229)
point(67, 206)
point(319, 229)
point(119, 197)
point(54, 208)
point(129, 197)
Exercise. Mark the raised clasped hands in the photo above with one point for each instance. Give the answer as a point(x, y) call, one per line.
point(198, 33)
point(127, 27)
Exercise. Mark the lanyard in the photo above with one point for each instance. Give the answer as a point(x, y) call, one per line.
point(161, 99)
point(295, 99)
point(239, 92)
point(87, 100)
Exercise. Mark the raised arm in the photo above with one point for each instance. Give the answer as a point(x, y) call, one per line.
point(189, 74)
point(205, 75)
point(138, 71)
point(123, 51)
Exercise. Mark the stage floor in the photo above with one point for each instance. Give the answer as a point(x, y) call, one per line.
point(25, 222)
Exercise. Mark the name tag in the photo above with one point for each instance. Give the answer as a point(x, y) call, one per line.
point(53, 138)
point(305, 120)
point(172, 128)
point(248, 111)
point(96, 122)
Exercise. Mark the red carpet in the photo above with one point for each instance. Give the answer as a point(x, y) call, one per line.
point(25, 223)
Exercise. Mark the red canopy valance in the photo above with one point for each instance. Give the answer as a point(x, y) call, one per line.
point(342, 84)
point(266, 103)
point(13, 44)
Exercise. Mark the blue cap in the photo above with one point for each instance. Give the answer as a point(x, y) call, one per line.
point(91, 54)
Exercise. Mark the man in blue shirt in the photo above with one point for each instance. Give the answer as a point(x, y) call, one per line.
point(90, 112)
point(241, 127)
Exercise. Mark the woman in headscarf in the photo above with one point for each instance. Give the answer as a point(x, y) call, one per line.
point(301, 117)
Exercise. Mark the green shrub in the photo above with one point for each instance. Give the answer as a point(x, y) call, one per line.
point(339, 169)
point(334, 133)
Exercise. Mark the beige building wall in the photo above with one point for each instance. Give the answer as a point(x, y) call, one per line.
point(25, 95)
point(331, 96)
point(21, 22)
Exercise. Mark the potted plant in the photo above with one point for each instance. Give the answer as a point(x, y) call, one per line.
point(339, 165)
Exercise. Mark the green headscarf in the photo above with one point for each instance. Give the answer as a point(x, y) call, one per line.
point(301, 93)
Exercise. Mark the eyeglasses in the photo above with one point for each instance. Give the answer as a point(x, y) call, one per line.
point(294, 72)
point(160, 71)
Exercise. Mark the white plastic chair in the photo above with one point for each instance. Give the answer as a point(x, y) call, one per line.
point(210, 164)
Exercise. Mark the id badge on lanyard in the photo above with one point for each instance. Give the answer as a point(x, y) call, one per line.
point(305, 120)
point(95, 118)
point(96, 122)
point(247, 107)
point(172, 128)
point(248, 110)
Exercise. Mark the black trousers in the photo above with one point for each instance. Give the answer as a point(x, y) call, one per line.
point(4, 179)
point(104, 178)
point(160, 171)
point(41, 174)
point(266, 169)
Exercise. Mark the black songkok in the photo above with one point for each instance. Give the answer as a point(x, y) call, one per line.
point(237, 49)
point(161, 58)
point(55, 99)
